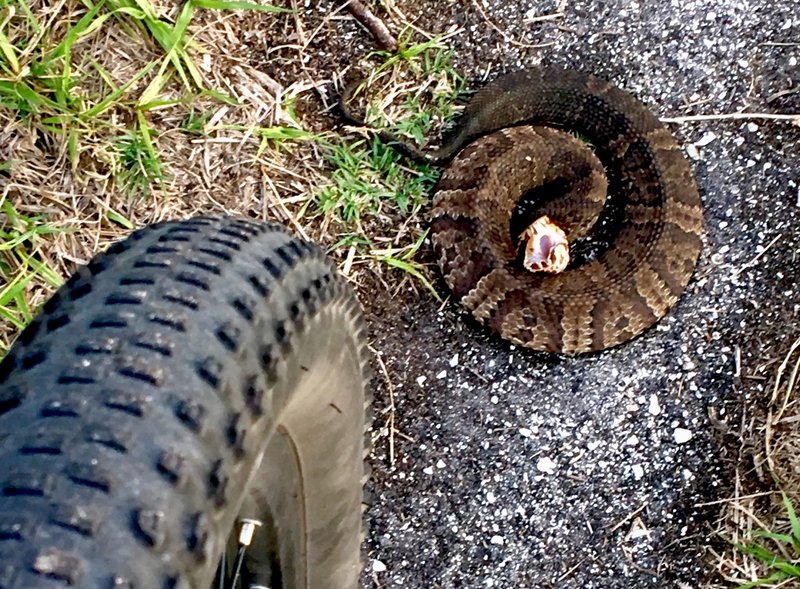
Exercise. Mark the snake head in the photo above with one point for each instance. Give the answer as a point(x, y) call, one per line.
point(547, 248)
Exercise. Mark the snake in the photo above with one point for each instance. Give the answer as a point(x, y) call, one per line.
point(567, 218)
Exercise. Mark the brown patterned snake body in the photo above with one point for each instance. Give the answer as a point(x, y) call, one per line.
point(651, 227)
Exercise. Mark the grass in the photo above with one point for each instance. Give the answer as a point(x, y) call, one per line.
point(404, 260)
point(762, 533)
point(21, 266)
point(779, 553)
point(55, 90)
point(370, 180)
point(103, 123)
point(45, 75)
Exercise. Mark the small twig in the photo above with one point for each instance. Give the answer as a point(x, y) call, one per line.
point(774, 419)
point(734, 115)
point(782, 93)
point(348, 261)
point(755, 260)
point(544, 17)
point(738, 361)
point(571, 570)
point(273, 195)
point(390, 423)
point(734, 499)
point(627, 518)
point(373, 24)
point(781, 370)
point(301, 34)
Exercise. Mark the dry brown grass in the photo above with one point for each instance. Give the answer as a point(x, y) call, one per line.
point(214, 156)
point(78, 185)
point(769, 463)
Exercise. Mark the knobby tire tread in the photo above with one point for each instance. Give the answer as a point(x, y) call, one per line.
point(132, 407)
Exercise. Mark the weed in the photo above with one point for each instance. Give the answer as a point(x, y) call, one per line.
point(366, 176)
point(139, 164)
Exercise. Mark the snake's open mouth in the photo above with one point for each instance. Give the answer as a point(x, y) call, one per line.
point(547, 248)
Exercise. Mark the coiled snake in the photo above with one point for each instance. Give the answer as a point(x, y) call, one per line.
point(513, 201)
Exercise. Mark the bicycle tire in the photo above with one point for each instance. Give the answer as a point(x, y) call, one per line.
point(196, 373)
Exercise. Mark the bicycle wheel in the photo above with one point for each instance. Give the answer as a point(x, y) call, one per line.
point(197, 374)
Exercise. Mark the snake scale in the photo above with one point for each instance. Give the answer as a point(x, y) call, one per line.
point(518, 153)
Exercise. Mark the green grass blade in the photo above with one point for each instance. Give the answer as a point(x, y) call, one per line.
point(413, 269)
point(9, 53)
point(773, 578)
point(33, 23)
point(112, 98)
point(792, 516)
point(19, 93)
point(787, 568)
point(773, 536)
point(235, 5)
point(14, 288)
point(10, 298)
point(115, 217)
point(759, 552)
point(62, 50)
point(147, 140)
point(45, 271)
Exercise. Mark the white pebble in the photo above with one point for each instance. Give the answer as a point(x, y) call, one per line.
point(681, 435)
point(707, 138)
point(454, 361)
point(378, 566)
point(428, 470)
point(638, 471)
point(546, 465)
point(525, 432)
point(632, 441)
point(441, 464)
point(654, 408)
point(490, 497)
point(421, 380)
point(442, 374)
point(497, 540)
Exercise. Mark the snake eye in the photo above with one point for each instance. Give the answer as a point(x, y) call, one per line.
point(547, 248)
